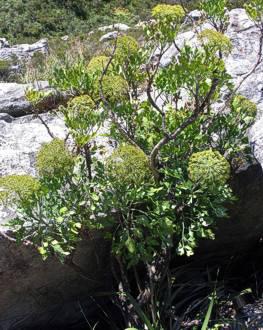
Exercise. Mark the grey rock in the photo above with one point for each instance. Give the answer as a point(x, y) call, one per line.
point(4, 43)
point(109, 36)
point(12, 98)
point(65, 38)
point(5, 117)
point(194, 15)
point(116, 26)
point(21, 138)
point(23, 51)
point(49, 295)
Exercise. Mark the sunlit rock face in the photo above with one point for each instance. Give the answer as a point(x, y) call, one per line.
point(22, 51)
point(13, 100)
point(21, 138)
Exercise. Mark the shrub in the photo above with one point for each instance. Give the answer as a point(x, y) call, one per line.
point(216, 40)
point(54, 159)
point(215, 9)
point(123, 15)
point(18, 186)
point(254, 9)
point(209, 168)
point(128, 166)
point(39, 99)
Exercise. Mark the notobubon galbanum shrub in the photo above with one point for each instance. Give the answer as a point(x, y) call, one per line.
point(113, 87)
point(243, 106)
point(209, 168)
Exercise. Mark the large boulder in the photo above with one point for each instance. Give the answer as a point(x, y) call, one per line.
point(12, 98)
point(48, 295)
point(115, 26)
point(22, 51)
point(4, 43)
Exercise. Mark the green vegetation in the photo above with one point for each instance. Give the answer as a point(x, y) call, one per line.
point(28, 20)
point(34, 19)
point(244, 106)
point(54, 159)
point(20, 187)
point(168, 12)
point(82, 119)
point(208, 168)
point(126, 47)
point(216, 40)
point(97, 64)
point(128, 166)
point(4, 69)
point(165, 185)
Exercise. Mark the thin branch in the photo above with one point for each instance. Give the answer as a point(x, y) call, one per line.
point(46, 125)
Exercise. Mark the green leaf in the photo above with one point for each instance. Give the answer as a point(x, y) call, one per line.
point(130, 245)
point(59, 219)
point(140, 312)
point(63, 210)
point(208, 313)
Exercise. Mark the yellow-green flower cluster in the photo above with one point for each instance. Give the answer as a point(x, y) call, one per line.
point(115, 89)
point(128, 165)
point(126, 47)
point(216, 40)
point(208, 168)
point(82, 103)
point(54, 159)
point(168, 12)
point(18, 186)
point(244, 106)
point(97, 64)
